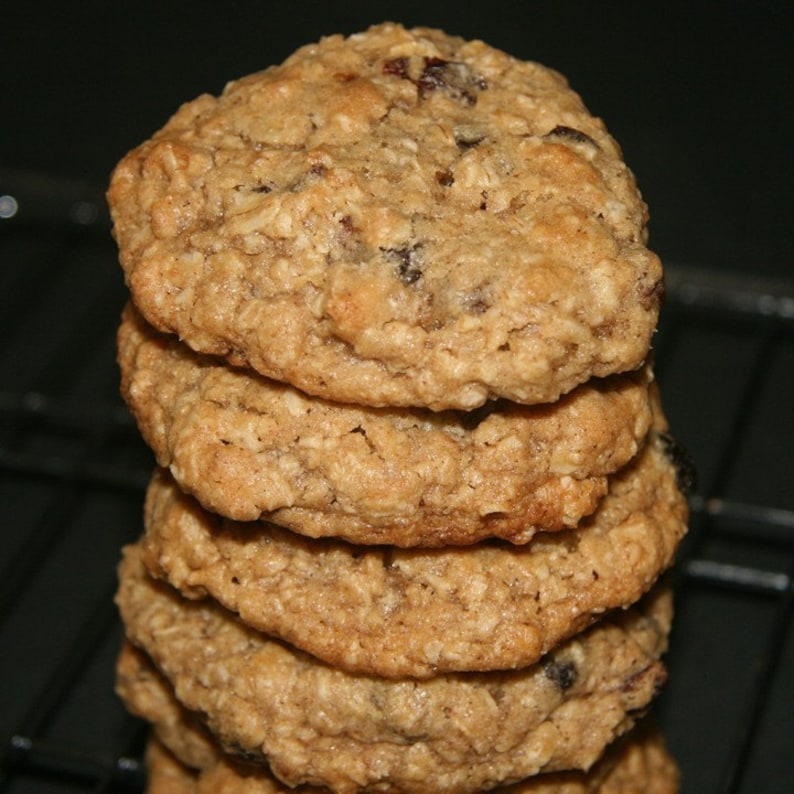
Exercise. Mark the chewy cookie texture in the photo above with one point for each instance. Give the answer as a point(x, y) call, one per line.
point(314, 723)
point(410, 612)
point(640, 763)
point(250, 448)
point(389, 338)
point(393, 218)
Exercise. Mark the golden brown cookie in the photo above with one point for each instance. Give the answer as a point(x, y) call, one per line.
point(314, 724)
point(399, 217)
point(249, 448)
point(414, 612)
point(638, 764)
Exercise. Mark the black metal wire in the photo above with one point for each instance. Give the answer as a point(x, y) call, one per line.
point(737, 761)
point(767, 309)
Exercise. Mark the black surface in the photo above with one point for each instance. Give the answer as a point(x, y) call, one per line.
point(699, 96)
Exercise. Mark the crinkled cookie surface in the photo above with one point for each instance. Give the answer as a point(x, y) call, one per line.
point(314, 724)
point(638, 763)
point(248, 448)
point(399, 217)
point(411, 612)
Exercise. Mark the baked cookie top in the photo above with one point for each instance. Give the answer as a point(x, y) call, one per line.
point(638, 761)
point(399, 217)
point(249, 447)
point(314, 724)
point(411, 612)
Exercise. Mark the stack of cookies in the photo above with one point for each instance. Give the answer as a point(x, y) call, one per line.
point(389, 332)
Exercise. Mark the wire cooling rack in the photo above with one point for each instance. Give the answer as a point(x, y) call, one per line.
point(73, 470)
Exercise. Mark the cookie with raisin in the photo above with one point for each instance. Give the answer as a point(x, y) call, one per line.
point(394, 218)
point(313, 724)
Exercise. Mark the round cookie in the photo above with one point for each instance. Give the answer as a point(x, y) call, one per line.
point(399, 217)
point(396, 613)
point(250, 448)
point(638, 763)
point(314, 724)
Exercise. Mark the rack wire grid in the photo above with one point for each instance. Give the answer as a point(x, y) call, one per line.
point(73, 471)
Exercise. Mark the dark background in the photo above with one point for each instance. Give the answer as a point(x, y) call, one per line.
point(700, 98)
point(698, 94)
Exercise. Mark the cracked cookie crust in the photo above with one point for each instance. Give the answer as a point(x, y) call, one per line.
point(314, 724)
point(637, 762)
point(251, 448)
point(399, 217)
point(415, 612)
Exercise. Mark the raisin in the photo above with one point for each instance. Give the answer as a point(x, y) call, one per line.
point(685, 470)
point(397, 67)
point(346, 222)
point(408, 273)
point(563, 674)
point(445, 178)
point(455, 78)
point(577, 136)
point(408, 266)
point(432, 76)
